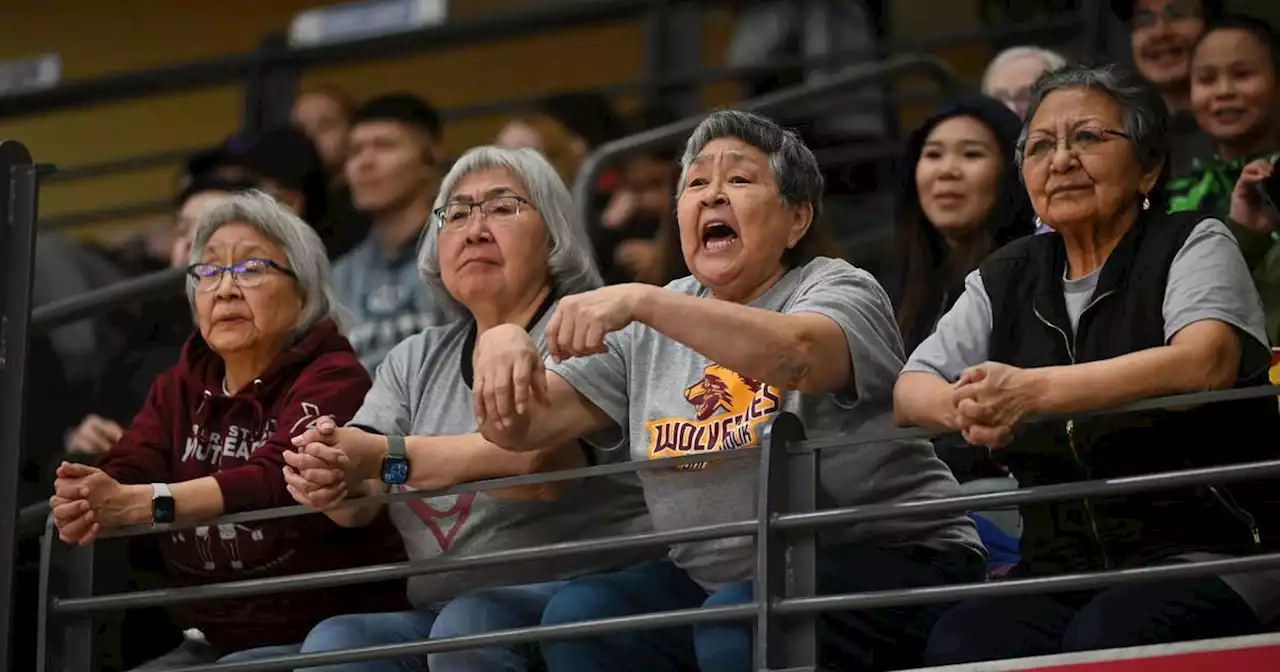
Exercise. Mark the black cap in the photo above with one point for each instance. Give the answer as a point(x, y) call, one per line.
point(287, 157)
point(588, 114)
point(405, 108)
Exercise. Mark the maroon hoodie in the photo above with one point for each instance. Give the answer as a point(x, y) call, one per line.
point(188, 429)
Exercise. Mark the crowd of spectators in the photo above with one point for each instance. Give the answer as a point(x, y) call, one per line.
point(364, 315)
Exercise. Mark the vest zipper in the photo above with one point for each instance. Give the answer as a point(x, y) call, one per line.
point(1238, 511)
point(1070, 342)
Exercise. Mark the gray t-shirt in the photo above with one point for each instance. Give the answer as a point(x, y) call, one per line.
point(420, 390)
point(673, 401)
point(386, 296)
point(1208, 280)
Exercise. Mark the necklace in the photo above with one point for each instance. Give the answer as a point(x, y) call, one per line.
point(226, 390)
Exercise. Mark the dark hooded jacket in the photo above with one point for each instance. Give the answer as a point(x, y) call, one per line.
point(188, 429)
point(1011, 218)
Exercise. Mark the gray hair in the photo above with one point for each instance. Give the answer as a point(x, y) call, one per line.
point(794, 168)
point(1052, 60)
point(1146, 119)
point(302, 248)
point(570, 258)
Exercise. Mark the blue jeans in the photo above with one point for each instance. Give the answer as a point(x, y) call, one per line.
point(869, 640)
point(479, 611)
point(193, 652)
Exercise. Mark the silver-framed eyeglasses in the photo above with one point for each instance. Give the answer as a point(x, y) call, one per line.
point(454, 216)
point(246, 274)
point(1081, 141)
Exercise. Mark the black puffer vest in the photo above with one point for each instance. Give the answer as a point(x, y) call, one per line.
point(1031, 328)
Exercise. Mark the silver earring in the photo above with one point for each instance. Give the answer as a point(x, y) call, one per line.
point(1146, 203)
point(1038, 223)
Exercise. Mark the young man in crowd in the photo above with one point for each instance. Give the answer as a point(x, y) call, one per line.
point(393, 171)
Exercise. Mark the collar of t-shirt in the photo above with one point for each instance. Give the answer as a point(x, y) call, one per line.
point(468, 370)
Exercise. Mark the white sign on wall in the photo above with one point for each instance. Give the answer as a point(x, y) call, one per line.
point(21, 75)
point(357, 20)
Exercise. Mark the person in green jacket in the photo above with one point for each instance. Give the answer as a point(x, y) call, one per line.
point(1236, 100)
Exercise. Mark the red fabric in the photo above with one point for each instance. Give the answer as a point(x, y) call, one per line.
point(187, 430)
point(1254, 659)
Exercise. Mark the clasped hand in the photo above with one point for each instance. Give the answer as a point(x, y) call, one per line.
point(990, 399)
point(85, 500)
point(320, 471)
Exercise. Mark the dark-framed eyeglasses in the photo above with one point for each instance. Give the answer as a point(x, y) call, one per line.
point(246, 274)
point(454, 216)
point(1174, 11)
point(1081, 141)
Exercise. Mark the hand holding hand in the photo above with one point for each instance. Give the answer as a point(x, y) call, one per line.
point(325, 463)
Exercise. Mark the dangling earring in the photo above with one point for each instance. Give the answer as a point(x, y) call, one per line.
point(1039, 224)
point(1146, 203)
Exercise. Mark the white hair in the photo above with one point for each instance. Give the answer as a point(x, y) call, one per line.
point(1052, 60)
point(302, 248)
point(570, 257)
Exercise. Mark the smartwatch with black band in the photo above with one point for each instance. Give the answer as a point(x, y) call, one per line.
point(162, 506)
point(395, 466)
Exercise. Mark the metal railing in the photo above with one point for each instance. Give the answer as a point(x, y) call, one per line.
point(785, 526)
point(535, 21)
point(937, 70)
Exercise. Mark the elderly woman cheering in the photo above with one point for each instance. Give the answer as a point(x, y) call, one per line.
point(267, 360)
point(1122, 302)
point(503, 248)
point(764, 326)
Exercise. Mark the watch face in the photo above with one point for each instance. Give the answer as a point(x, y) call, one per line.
point(395, 470)
point(162, 509)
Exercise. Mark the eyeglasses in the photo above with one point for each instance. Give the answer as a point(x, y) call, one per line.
point(1080, 142)
point(1174, 11)
point(454, 216)
point(246, 274)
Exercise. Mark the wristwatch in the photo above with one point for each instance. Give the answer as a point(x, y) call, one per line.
point(162, 507)
point(395, 466)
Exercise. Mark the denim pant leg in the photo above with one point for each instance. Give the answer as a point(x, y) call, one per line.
point(487, 610)
point(352, 631)
point(647, 588)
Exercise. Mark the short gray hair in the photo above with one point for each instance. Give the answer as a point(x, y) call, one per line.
point(794, 168)
point(302, 248)
point(1146, 118)
point(570, 258)
point(1052, 60)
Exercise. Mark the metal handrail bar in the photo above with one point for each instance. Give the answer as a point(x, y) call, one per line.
point(743, 612)
point(903, 597)
point(791, 522)
point(531, 20)
point(826, 443)
point(700, 76)
point(533, 634)
point(663, 136)
point(393, 571)
point(88, 304)
point(835, 442)
point(460, 489)
point(1033, 495)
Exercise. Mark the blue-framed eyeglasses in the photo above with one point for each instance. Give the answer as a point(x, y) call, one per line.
point(246, 274)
